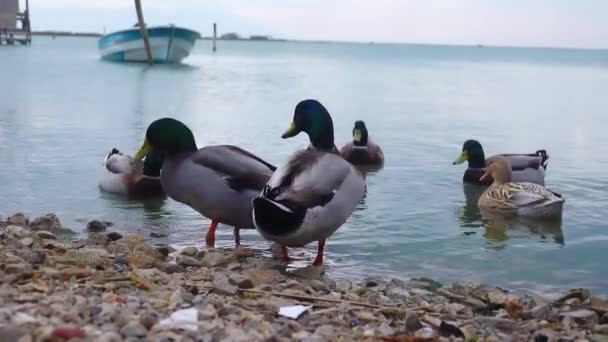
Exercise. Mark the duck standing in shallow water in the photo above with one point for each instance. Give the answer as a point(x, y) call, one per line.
point(219, 181)
point(123, 175)
point(521, 199)
point(362, 150)
point(314, 193)
point(525, 167)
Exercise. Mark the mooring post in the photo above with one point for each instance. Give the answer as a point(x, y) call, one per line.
point(144, 32)
point(214, 36)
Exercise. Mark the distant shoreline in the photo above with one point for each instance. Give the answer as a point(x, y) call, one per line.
point(270, 39)
point(66, 34)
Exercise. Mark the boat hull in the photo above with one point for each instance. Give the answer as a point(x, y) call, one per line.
point(168, 44)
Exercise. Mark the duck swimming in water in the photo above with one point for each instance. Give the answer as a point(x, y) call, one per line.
point(314, 193)
point(122, 174)
point(517, 199)
point(525, 167)
point(362, 150)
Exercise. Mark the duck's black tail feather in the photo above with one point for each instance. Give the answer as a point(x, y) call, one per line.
point(276, 218)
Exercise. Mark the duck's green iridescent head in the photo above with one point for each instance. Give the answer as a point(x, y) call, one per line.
point(312, 118)
point(360, 133)
point(169, 136)
point(473, 153)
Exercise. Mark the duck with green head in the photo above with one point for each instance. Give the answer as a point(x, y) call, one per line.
point(314, 193)
point(123, 175)
point(219, 181)
point(525, 167)
point(362, 150)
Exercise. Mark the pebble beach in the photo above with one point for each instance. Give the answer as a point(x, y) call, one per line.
point(103, 286)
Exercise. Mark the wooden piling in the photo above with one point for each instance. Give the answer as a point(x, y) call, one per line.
point(144, 32)
point(214, 35)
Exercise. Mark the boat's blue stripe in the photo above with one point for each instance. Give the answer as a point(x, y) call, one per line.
point(134, 34)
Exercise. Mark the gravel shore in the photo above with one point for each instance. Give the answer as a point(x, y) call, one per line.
point(108, 287)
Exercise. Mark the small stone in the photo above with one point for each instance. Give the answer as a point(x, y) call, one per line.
point(583, 318)
point(109, 336)
point(168, 268)
point(188, 261)
point(134, 330)
point(76, 272)
point(164, 250)
point(412, 322)
point(581, 294)
point(98, 239)
point(139, 259)
point(598, 338)
point(449, 330)
point(93, 257)
point(241, 281)
point(19, 219)
point(223, 286)
point(506, 325)
point(372, 281)
point(475, 303)
point(17, 232)
point(18, 269)
point(190, 251)
point(114, 236)
point(318, 285)
point(45, 234)
point(601, 329)
point(208, 313)
point(343, 285)
point(48, 222)
point(539, 312)
point(9, 333)
point(497, 296)
point(598, 304)
point(457, 307)
point(325, 332)
point(96, 227)
point(148, 319)
point(27, 242)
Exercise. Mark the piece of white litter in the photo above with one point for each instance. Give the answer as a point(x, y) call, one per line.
point(186, 319)
point(23, 318)
point(293, 311)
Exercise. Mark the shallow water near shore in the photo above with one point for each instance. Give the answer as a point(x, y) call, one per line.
point(62, 110)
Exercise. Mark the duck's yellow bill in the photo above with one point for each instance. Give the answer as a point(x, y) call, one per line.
point(464, 156)
point(357, 135)
point(292, 131)
point(143, 151)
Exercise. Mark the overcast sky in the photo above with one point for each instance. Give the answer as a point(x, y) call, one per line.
point(557, 23)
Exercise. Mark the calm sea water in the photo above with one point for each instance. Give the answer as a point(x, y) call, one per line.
point(62, 110)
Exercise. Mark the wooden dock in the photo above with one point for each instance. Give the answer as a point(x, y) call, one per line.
point(15, 28)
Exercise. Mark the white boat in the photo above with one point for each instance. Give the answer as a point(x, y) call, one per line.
point(168, 44)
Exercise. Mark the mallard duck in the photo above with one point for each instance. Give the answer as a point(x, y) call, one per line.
point(219, 181)
point(522, 199)
point(314, 193)
point(123, 175)
point(525, 167)
point(362, 150)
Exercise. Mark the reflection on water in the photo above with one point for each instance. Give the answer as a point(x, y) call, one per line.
point(547, 229)
point(469, 215)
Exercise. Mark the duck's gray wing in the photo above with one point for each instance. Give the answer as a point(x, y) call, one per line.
point(240, 168)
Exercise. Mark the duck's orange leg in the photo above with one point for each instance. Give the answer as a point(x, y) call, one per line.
point(319, 259)
point(237, 236)
point(210, 238)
